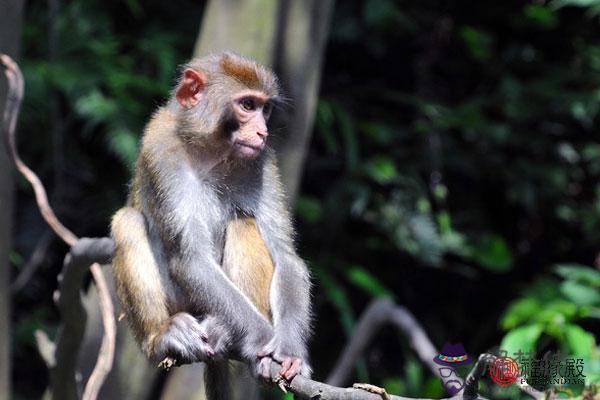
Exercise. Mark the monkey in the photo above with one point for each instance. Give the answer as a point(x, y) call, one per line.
point(205, 263)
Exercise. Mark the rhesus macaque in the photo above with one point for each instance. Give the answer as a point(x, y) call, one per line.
point(205, 264)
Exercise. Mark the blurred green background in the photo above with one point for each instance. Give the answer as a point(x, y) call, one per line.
point(454, 167)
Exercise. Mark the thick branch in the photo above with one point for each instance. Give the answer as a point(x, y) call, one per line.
point(84, 253)
point(308, 389)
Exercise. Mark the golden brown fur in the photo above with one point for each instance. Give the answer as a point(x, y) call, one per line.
point(246, 74)
point(247, 262)
point(139, 285)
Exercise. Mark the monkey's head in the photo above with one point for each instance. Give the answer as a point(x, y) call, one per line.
point(226, 100)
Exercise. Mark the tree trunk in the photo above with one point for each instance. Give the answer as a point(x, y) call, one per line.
point(11, 12)
point(301, 38)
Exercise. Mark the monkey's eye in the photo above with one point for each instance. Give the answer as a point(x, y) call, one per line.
point(267, 108)
point(248, 104)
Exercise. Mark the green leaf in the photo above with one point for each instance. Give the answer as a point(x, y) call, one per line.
point(324, 123)
point(542, 15)
point(394, 385)
point(347, 128)
point(124, 144)
point(382, 169)
point(580, 273)
point(520, 311)
point(96, 106)
point(380, 133)
point(478, 42)
point(523, 338)
point(16, 258)
point(580, 294)
point(555, 315)
point(338, 297)
point(309, 209)
point(366, 281)
point(580, 341)
point(493, 253)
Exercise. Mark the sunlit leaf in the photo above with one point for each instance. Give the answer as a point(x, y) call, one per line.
point(523, 338)
point(580, 341)
point(520, 311)
point(369, 283)
point(580, 273)
point(580, 294)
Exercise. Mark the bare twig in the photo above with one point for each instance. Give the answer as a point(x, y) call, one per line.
point(11, 112)
point(46, 347)
point(31, 266)
point(106, 355)
point(377, 314)
point(107, 348)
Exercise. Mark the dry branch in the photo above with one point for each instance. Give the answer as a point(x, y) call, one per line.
point(105, 357)
point(381, 312)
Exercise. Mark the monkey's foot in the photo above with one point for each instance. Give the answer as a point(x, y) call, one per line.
point(372, 389)
point(184, 340)
point(167, 363)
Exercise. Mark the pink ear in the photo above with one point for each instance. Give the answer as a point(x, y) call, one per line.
point(189, 92)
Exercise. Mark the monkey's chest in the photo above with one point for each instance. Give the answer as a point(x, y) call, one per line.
point(247, 262)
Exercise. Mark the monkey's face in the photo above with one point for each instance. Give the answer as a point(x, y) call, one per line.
point(250, 110)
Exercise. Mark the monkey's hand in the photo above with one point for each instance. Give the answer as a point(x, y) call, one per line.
point(184, 341)
point(292, 362)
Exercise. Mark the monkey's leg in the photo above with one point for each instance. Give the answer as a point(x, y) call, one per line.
point(217, 380)
point(145, 292)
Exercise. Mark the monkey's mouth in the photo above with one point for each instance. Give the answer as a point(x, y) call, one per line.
point(249, 150)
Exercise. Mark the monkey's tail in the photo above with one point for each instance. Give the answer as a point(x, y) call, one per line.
point(216, 378)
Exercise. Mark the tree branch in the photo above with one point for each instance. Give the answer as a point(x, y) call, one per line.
point(377, 314)
point(308, 389)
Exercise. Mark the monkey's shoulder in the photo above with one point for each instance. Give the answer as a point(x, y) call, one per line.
point(160, 136)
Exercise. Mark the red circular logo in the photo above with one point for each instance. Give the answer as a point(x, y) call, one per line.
point(504, 371)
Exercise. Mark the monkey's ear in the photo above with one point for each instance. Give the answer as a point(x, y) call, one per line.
point(189, 92)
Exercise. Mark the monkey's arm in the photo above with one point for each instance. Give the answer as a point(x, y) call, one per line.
point(185, 214)
point(290, 287)
point(147, 294)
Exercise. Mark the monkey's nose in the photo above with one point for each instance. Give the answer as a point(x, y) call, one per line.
point(262, 133)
